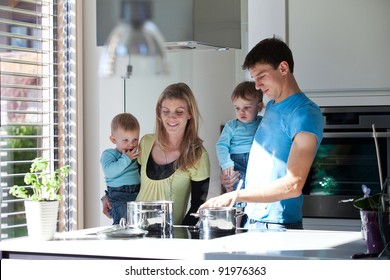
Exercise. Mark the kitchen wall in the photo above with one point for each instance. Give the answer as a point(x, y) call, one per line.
point(212, 75)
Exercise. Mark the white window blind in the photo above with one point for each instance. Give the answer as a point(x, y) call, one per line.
point(37, 61)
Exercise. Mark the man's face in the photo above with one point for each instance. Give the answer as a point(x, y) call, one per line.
point(268, 80)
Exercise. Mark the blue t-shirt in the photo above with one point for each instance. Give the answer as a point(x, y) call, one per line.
point(119, 169)
point(270, 150)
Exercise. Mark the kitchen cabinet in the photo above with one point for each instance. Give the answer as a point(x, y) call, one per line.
point(340, 45)
point(341, 48)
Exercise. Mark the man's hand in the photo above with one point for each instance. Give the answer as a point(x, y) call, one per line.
point(223, 200)
point(106, 206)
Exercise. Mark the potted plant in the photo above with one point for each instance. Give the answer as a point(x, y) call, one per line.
point(375, 218)
point(367, 202)
point(41, 198)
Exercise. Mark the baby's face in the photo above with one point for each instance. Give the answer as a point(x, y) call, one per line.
point(246, 110)
point(125, 140)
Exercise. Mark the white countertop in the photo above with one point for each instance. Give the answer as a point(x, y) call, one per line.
point(289, 244)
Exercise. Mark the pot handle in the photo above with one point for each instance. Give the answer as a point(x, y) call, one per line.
point(122, 223)
point(197, 215)
point(240, 213)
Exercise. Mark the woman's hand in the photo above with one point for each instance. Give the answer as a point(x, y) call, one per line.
point(106, 206)
point(228, 180)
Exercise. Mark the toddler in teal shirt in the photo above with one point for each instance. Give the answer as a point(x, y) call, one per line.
point(120, 166)
point(237, 135)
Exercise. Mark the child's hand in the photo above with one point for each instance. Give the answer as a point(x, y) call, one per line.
point(132, 154)
point(228, 181)
point(228, 171)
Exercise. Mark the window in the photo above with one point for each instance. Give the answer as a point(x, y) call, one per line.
point(38, 101)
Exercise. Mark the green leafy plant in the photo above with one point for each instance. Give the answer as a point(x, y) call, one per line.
point(43, 184)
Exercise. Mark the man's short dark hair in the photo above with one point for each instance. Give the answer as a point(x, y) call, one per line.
point(269, 51)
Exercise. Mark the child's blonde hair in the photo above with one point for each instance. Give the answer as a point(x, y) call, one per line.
point(125, 121)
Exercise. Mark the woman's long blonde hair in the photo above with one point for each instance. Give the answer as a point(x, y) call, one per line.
point(191, 145)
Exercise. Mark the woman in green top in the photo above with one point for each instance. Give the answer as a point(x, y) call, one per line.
point(174, 163)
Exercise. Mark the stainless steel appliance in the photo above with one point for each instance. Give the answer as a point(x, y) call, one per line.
point(347, 159)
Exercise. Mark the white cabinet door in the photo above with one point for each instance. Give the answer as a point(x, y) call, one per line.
point(341, 46)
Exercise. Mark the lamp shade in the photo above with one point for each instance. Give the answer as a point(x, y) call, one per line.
point(134, 35)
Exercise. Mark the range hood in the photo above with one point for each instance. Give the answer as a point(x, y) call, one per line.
point(184, 24)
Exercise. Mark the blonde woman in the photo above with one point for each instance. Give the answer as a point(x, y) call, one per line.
point(174, 164)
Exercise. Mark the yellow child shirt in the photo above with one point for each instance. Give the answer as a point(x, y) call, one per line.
point(176, 187)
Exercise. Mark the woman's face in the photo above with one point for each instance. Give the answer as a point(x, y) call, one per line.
point(175, 115)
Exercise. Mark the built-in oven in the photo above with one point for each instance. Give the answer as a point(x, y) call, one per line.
point(347, 159)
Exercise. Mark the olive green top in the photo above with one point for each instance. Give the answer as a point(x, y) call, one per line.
point(176, 187)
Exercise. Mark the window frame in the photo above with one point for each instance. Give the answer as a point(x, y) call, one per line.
point(58, 104)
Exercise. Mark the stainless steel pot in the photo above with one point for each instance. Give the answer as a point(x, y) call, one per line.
point(218, 220)
point(150, 215)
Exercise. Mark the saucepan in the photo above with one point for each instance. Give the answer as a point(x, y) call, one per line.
point(150, 215)
point(217, 219)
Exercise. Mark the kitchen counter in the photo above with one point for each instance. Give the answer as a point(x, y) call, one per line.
point(286, 244)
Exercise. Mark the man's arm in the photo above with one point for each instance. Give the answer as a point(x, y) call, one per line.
point(299, 162)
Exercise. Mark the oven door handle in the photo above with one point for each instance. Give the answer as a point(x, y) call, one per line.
point(356, 135)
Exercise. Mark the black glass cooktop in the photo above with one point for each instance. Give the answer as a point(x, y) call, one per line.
point(177, 232)
point(192, 232)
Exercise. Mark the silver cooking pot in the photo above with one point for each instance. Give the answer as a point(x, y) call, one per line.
point(150, 215)
point(218, 219)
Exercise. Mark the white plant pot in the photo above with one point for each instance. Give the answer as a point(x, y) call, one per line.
point(41, 219)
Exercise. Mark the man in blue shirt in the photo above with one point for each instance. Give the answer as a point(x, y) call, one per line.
point(284, 145)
